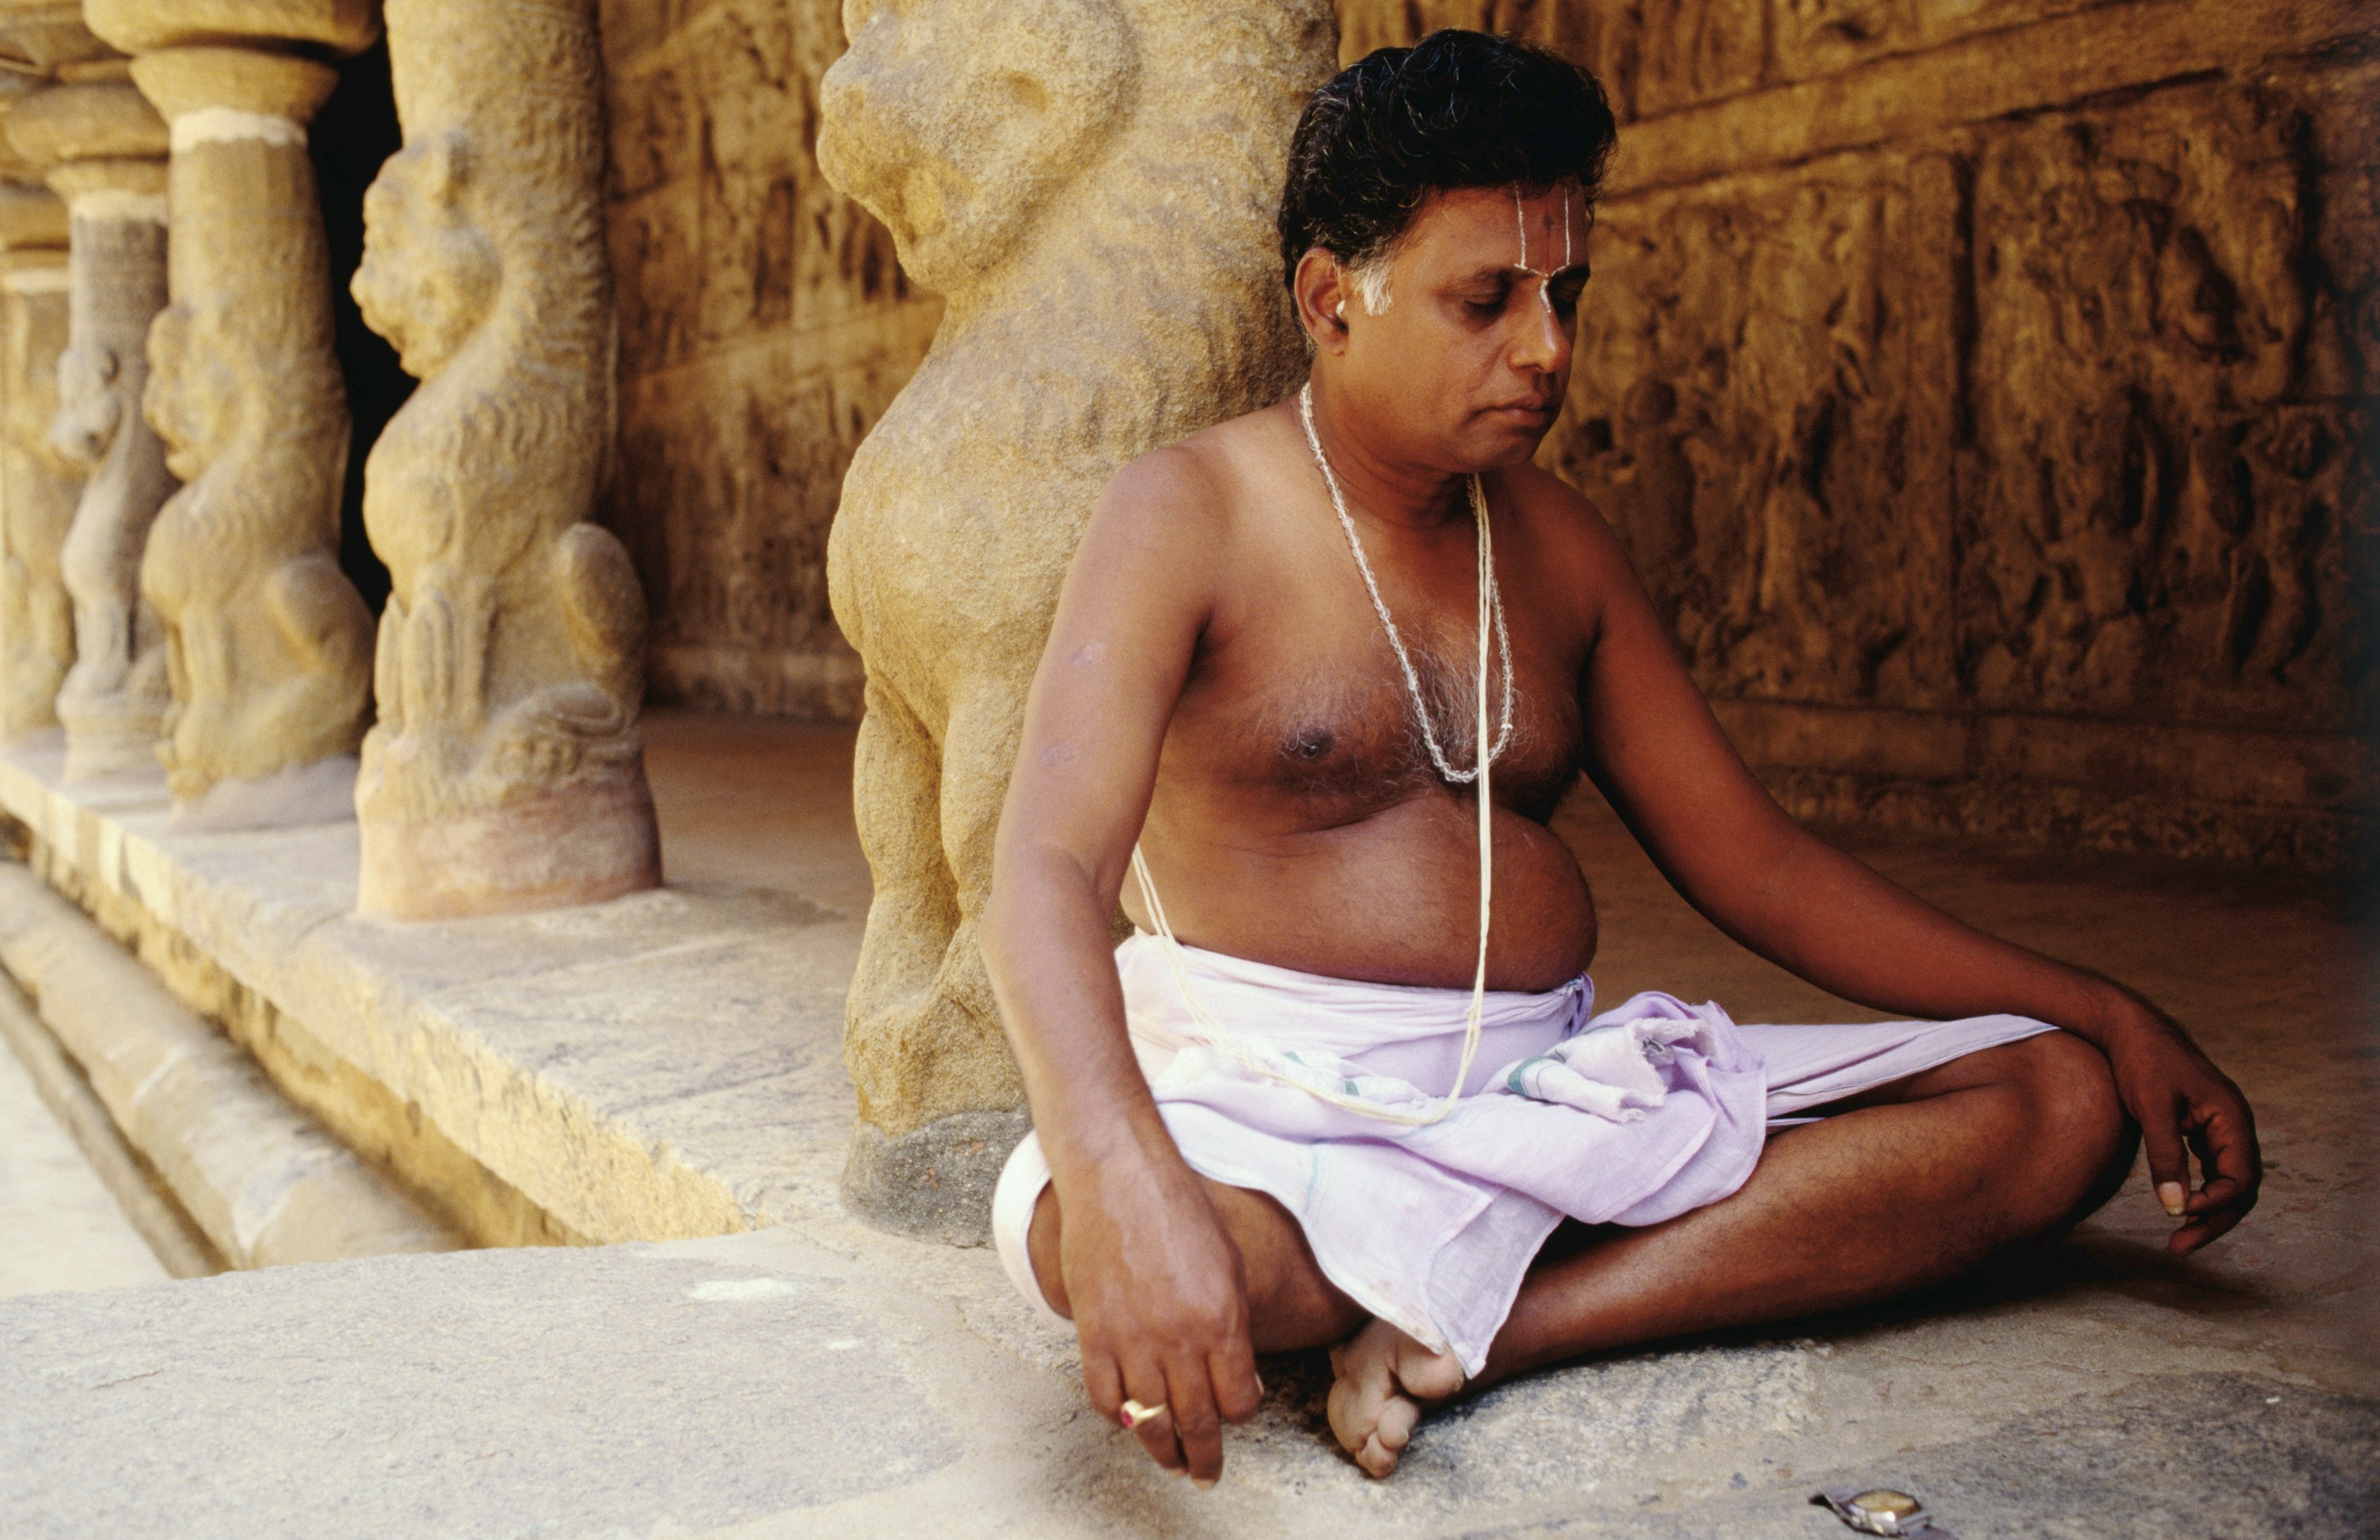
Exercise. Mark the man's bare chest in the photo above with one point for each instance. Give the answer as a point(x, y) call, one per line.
point(1310, 711)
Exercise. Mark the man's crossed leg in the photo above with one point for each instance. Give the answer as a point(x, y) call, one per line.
point(1902, 1186)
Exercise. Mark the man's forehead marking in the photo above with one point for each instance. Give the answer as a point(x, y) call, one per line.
point(1521, 224)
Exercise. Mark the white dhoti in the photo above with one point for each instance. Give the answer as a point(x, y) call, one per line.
point(1632, 1117)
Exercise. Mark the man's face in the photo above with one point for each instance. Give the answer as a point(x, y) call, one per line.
point(1469, 361)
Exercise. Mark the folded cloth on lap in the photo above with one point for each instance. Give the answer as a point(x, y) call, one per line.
point(1630, 1117)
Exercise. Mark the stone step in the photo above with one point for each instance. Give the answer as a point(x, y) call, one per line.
point(263, 1181)
point(137, 1192)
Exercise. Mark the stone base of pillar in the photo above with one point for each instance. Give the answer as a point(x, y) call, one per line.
point(110, 735)
point(323, 792)
point(933, 1182)
point(590, 839)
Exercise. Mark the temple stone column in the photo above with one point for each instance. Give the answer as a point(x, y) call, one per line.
point(104, 148)
point(1112, 286)
point(38, 488)
point(269, 644)
point(506, 770)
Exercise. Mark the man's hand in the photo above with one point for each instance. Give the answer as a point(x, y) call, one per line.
point(2185, 1106)
point(1159, 1300)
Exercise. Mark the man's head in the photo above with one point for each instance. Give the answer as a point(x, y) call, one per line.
point(1433, 232)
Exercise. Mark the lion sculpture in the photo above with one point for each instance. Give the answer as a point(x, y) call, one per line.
point(506, 771)
point(269, 645)
point(1090, 184)
point(113, 701)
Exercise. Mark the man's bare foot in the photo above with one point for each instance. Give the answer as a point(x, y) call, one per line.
point(1384, 1380)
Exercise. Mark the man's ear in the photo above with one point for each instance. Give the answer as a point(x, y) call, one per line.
point(1323, 291)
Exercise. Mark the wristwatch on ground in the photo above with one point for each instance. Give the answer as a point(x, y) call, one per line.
point(1880, 1510)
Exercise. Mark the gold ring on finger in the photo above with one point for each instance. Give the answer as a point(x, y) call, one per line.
point(1134, 1413)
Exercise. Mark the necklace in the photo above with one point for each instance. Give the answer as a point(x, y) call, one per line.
point(1492, 606)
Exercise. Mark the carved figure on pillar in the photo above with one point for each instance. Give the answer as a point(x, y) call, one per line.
point(1057, 361)
point(38, 489)
point(269, 644)
point(106, 149)
point(506, 770)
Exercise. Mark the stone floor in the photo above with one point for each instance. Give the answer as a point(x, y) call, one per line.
point(820, 1379)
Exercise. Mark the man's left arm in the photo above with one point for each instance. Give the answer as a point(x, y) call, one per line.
point(1661, 760)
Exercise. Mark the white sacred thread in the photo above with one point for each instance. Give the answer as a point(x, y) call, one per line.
point(1491, 603)
point(1262, 1058)
point(229, 125)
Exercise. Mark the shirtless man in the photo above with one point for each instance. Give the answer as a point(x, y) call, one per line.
point(1219, 687)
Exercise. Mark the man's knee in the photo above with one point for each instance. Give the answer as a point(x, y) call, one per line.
point(2080, 1141)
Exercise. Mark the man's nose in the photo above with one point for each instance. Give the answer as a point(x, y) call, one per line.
point(1544, 341)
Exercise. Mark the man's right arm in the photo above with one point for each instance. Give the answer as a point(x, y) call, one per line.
point(1154, 1283)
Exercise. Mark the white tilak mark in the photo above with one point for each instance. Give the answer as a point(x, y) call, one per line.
point(229, 124)
point(1545, 289)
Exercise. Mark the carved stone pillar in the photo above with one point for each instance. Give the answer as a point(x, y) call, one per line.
point(105, 151)
point(1112, 286)
point(506, 770)
point(38, 489)
point(269, 644)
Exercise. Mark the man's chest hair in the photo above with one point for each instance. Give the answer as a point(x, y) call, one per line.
point(1335, 726)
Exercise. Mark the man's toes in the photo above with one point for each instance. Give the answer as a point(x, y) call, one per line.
point(1376, 1457)
point(1341, 1407)
point(1395, 1428)
point(1431, 1376)
point(1354, 1408)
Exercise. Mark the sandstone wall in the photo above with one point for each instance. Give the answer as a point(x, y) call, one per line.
point(764, 326)
point(1985, 394)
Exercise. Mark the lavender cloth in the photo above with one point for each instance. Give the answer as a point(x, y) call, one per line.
point(1632, 1117)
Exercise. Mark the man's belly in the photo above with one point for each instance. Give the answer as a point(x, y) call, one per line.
point(1394, 899)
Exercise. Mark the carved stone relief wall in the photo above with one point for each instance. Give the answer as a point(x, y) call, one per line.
point(1986, 399)
point(506, 771)
point(1055, 364)
point(765, 324)
point(39, 488)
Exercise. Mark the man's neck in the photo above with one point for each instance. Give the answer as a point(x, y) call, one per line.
point(1377, 483)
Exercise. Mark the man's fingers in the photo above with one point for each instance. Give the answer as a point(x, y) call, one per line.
point(1233, 1371)
point(1144, 1381)
point(2229, 1150)
point(2229, 1168)
point(2223, 1195)
point(1197, 1427)
point(2168, 1164)
point(1103, 1384)
point(2201, 1229)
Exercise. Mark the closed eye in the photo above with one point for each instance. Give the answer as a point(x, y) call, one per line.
point(1488, 301)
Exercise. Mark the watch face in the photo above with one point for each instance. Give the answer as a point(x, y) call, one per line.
point(1883, 1502)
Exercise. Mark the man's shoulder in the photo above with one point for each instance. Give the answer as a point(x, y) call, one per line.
point(1200, 481)
point(1555, 511)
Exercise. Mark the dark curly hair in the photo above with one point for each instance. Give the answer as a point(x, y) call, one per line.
point(1456, 110)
